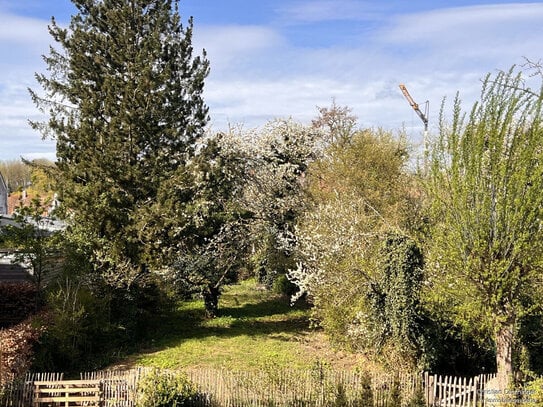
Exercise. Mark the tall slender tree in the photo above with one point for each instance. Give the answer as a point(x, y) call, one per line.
point(486, 181)
point(124, 100)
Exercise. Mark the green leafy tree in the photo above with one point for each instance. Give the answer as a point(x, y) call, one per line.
point(124, 99)
point(36, 241)
point(486, 180)
point(16, 174)
point(199, 213)
point(274, 191)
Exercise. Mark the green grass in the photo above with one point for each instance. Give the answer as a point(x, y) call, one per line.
point(255, 329)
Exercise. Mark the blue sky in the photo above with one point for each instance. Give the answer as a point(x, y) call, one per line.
point(282, 58)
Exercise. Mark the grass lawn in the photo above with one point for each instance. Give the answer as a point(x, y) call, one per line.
point(255, 329)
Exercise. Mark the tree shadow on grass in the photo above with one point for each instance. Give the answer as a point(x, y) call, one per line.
point(262, 309)
point(264, 318)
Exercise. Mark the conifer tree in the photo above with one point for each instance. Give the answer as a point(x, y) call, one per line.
point(124, 100)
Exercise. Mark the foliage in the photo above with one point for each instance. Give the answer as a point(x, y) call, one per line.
point(36, 242)
point(43, 175)
point(390, 321)
point(17, 348)
point(282, 285)
point(361, 197)
point(453, 350)
point(16, 174)
point(198, 213)
point(77, 325)
point(274, 192)
point(17, 302)
point(529, 359)
point(166, 389)
point(533, 392)
point(124, 99)
point(486, 177)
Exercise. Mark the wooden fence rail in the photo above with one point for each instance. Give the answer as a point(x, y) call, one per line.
point(68, 393)
point(224, 388)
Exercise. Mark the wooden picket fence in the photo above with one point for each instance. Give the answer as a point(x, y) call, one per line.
point(455, 391)
point(20, 393)
point(67, 393)
point(118, 387)
point(293, 388)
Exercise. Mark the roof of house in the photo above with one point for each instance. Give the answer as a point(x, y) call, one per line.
point(47, 224)
point(23, 198)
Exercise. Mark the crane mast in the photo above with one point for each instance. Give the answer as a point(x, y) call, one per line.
point(415, 106)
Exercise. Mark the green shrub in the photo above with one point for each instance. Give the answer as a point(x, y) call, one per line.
point(365, 393)
point(395, 394)
point(533, 393)
point(341, 399)
point(282, 285)
point(78, 329)
point(167, 389)
point(417, 398)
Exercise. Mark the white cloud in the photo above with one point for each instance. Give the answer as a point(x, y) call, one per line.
point(22, 41)
point(28, 32)
point(483, 31)
point(258, 74)
point(328, 10)
point(224, 44)
point(497, 17)
point(253, 103)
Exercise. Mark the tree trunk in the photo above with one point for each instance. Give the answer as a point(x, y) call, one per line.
point(504, 352)
point(211, 300)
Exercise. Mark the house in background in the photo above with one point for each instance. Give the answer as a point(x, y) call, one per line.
point(3, 196)
point(11, 272)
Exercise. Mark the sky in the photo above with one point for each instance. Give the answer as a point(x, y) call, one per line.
point(283, 58)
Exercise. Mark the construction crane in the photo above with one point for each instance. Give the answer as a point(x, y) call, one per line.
point(424, 118)
point(415, 106)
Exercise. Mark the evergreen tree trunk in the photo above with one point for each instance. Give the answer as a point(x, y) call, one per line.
point(504, 337)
